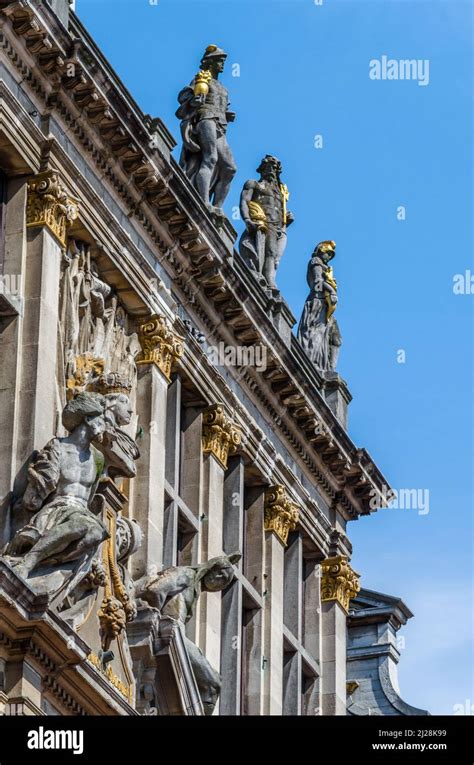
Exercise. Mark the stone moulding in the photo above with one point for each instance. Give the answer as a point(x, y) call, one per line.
point(112, 677)
point(220, 435)
point(160, 346)
point(281, 514)
point(339, 581)
point(49, 204)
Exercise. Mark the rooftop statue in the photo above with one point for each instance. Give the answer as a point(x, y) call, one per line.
point(174, 593)
point(318, 330)
point(61, 483)
point(264, 212)
point(204, 113)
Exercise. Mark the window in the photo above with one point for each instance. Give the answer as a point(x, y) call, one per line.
point(181, 523)
point(301, 621)
point(241, 643)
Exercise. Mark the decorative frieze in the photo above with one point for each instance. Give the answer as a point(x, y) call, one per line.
point(160, 346)
point(338, 581)
point(220, 435)
point(281, 513)
point(49, 204)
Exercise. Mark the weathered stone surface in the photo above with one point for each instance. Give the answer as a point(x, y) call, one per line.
point(373, 655)
point(174, 593)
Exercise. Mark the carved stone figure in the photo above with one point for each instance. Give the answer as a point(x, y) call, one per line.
point(61, 483)
point(264, 212)
point(93, 326)
point(174, 592)
point(120, 451)
point(204, 113)
point(318, 330)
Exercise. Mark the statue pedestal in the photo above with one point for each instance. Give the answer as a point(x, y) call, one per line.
point(46, 667)
point(337, 396)
point(167, 685)
point(282, 317)
point(227, 233)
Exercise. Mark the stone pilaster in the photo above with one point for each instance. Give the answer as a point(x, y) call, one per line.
point(10, 373)
point(280, 517)
point(49, 210)
point(220, 435)
point(160, 349)
point(339, 583)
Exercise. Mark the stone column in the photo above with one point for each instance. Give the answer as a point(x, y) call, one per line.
point(160, 348)
point(339, 583)
point(220, 436)
point(49, 211)
point(281, 517)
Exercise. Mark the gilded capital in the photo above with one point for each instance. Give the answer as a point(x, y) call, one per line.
point(50, 205)
point(281, 514)
point(220, 435)
point(338, 581)
point(160, 346)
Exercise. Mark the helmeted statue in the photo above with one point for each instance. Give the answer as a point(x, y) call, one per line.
point(318, 330)
point(264, 212)
point(174, 593)
point(204, 113)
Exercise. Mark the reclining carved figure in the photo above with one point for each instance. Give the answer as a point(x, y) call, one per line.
point(174, 593)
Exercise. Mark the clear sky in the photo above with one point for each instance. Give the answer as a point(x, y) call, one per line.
point(304, 71)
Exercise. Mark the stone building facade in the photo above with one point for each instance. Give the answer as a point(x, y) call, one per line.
point(118, 283)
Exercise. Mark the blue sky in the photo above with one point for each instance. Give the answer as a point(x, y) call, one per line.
point(304, 71)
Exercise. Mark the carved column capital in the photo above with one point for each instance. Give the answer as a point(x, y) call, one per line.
point(49, 204)
point(338, 581)
point(160, 346)
point(280, 513)
point(220, 435)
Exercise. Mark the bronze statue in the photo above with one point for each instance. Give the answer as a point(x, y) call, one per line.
point(204, 113)
point(266, 217)
point(318, 330)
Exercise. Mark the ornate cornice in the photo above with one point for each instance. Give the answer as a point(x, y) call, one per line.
point(220, 435)
point(338, 581)
point(281, 513)
point(155, 192)
point(160, 346)
point(50, 205)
